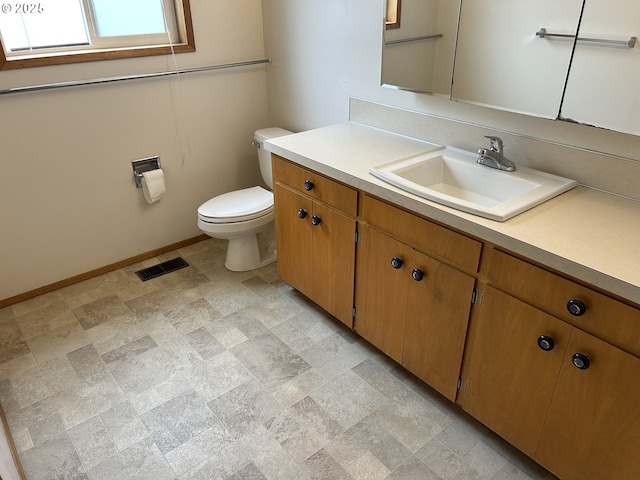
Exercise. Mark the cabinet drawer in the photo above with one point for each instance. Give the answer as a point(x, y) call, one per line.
point(422, 234)
point(315, 185)
point(599, 314)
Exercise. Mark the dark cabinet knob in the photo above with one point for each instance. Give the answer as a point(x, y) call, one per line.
point(546, 343)
point(417, 274)
point(308, 185)
point(576, 307)
point(302, 213)
point(580, 361)
point(396, 262)
point(315, 220)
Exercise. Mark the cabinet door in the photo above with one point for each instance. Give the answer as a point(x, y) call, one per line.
point(508, 379)
point(436, 322)
point(381, 290)
point(593, 427)
point(333, 261)
point(294, 238)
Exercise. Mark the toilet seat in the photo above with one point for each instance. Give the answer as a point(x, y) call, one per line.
point(237, 206)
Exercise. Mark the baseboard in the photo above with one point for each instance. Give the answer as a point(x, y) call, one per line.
point(99, 271)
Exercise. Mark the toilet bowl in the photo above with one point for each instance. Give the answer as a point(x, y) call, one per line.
point(245, 217)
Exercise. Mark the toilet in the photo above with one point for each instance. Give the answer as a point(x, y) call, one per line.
point(245, 217)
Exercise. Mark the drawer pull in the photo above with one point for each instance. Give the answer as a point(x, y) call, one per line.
point(315, 220)
point(576, 307)
point(417, 274)
point(396, 262)
point(546, 343)
point(308, 185)
point(580, 361)
point(302, 213)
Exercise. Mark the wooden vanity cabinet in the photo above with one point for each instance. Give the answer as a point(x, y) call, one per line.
point(563, 396)
point(315, 234)
point(412, 306)
point(583, 307)
point(507, 378)
point(592, 429)
point(547, 363)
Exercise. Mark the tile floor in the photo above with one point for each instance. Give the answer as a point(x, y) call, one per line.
point(208, 374)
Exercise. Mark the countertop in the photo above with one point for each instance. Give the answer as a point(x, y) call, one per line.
point(587, 234)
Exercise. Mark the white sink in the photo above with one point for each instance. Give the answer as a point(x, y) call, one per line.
point(452, 177)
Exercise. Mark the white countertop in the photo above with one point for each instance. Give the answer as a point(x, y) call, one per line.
point(587, 234)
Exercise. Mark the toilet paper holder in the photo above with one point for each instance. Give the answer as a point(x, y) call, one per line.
point(144, 165)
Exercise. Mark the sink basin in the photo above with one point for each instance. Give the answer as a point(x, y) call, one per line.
point(452, 177)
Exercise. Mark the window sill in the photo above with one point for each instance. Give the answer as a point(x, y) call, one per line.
point(25, 61)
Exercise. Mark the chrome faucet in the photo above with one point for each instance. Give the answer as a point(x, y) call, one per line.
point(494, 157)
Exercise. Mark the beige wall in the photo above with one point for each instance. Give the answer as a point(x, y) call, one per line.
point(67, 199)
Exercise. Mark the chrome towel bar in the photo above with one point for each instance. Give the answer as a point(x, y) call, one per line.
point(76, 83)
point(413, 39)
point(542, 33)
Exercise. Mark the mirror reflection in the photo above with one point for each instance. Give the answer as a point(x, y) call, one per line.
point(602, 85)
point(502, 63)
point(418, 51)
point(516, 55)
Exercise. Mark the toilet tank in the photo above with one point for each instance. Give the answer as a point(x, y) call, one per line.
point(264, 155)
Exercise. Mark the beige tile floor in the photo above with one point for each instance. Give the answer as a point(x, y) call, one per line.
point(208, 374)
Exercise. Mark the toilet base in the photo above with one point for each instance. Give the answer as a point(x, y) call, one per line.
point(245, 253)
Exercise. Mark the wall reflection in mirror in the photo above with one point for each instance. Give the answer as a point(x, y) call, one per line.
point(502, 63)
point(602, 88)
point(516, 55)
point(418, 53)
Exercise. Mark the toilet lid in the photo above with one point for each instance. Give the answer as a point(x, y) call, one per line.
point(237, 206)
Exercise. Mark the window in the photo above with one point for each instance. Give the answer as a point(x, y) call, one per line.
point(53, 32)
point(392, 19)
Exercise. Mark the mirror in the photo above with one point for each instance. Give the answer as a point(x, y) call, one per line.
point(516, 55)
point(501, 62)
point(602, 84)
point(419, 48)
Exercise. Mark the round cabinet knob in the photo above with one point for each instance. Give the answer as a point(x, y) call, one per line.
point(417, 274)
point(302, 213)
point(308, 185)
point(576, 307)
point(546, 343)
point(580, 361)
point(315, 220)
point(396, 262)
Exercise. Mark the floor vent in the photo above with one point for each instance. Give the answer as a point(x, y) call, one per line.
point(162, 268)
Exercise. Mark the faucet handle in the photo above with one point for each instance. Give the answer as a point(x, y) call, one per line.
point(496, 143)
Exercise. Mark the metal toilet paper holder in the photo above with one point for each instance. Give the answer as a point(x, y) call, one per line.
point(144, 165)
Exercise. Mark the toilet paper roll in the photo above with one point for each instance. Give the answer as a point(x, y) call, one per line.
point(153, 185)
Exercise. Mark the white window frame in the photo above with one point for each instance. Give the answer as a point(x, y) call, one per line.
point(178, 13)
